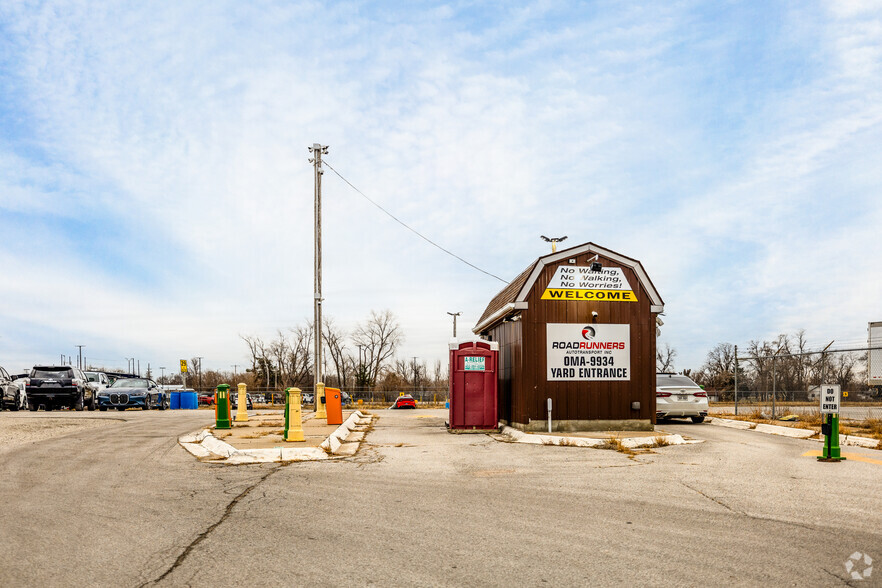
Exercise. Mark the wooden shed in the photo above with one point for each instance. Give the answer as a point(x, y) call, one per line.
point(577, 326)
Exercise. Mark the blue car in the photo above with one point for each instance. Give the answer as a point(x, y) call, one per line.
point(140, 393)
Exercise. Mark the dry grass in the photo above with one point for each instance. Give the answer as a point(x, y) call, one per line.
point(259, 434)
point(757, 413)
point(813, 418)
point(560, 442)
point(660, 442)
point(271, 424)
point(616, 444)
point(874, 428)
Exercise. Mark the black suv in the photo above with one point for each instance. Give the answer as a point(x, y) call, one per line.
point(57, 386)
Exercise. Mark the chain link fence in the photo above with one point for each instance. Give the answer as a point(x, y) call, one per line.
point(427, 396)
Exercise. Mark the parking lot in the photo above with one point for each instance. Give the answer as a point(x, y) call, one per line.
point(111, 499)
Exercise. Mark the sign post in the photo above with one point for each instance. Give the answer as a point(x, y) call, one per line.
point(830, 401)
point(549, 415)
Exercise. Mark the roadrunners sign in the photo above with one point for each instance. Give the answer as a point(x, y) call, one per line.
point(578, 352)
point(572, 282)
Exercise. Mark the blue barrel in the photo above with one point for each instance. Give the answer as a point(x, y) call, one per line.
point(175, 400)
point(189, 400)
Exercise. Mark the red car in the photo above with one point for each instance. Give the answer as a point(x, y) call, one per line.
point(405, 401)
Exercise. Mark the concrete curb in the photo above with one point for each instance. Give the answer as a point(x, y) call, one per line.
point(796, 433)
point(628, 442)
point(867, 442)
point(205, 446)
point(339, 435)
point(717, 421)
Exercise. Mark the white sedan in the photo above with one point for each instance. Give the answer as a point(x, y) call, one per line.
point(679, 396)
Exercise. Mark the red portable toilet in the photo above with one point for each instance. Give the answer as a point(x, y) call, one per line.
point(473, 384)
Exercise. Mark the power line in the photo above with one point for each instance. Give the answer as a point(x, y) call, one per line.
point(409, 228)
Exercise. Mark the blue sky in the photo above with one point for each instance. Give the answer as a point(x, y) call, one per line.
point(156, 199)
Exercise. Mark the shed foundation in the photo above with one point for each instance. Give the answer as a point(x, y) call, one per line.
point(573, 426)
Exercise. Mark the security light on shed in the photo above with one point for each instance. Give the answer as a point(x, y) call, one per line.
point(596, 266)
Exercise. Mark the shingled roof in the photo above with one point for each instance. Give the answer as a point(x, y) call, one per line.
point(507, 295)
point(513, 296)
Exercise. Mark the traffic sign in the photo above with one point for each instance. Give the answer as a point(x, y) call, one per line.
point(830, 398)
point(183, 366)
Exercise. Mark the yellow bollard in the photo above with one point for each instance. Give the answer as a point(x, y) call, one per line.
point(293, 421)
point(242, 410)
point(320, 412)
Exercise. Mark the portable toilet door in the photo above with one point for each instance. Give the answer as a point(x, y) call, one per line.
point(473, 385)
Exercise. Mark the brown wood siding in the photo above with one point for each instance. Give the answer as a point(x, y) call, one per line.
point(528, 389)
point(509, 337)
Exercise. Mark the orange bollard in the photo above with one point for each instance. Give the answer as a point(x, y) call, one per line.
point(334, 406)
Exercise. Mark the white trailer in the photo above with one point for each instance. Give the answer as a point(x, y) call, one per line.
point(874, 356)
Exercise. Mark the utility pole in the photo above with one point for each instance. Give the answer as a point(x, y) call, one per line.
point(414, 374)
point(317, 151)
point(235, 369)
point(824, 363)
point(162, 372)
point(80, 356)
point(128, 363)
point(139, 368)
point(454, 315)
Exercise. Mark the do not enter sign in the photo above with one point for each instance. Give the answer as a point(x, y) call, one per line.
point(830, 397)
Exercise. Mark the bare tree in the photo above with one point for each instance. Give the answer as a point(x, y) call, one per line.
point(335, 340)
point(380, 337)
point(718, 370)
point(664, 358)
point(843, 370)
point(256, 348)
point(280, 351)
point(439, 378)
point(300, 359)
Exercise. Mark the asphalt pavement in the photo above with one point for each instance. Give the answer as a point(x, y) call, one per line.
point(122, 504)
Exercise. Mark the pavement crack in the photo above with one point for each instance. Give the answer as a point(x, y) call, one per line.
point(843, 581)
point(204, 534)
point(751, 516)
point(711, 498)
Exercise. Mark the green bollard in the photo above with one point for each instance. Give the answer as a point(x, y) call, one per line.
point(222, 401)
point(831, 442)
